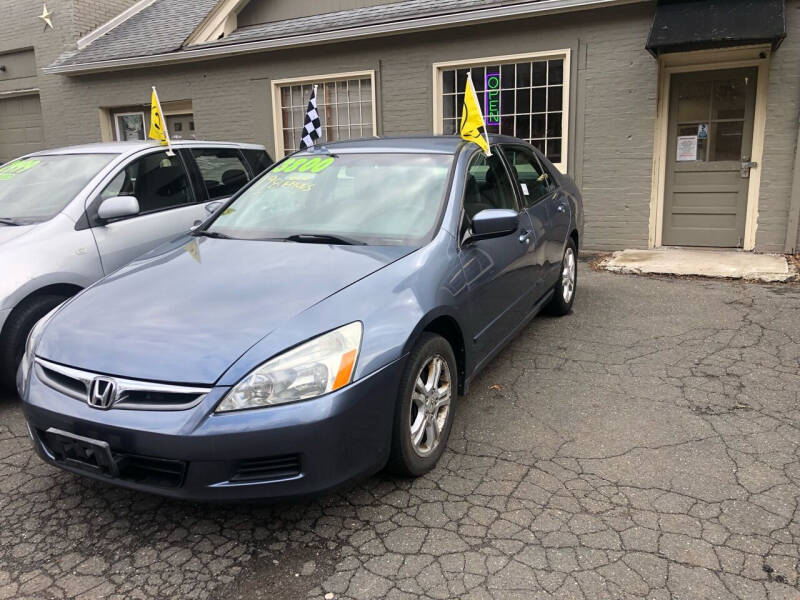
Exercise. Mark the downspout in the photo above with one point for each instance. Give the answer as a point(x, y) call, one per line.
point(793, 225)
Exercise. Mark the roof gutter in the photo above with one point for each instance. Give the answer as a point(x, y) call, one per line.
point(497, 13)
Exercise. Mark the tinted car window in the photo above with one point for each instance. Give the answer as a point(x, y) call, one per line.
point(259, 160)
point(223, 171)
point(157, 181)
point(488, 186)
point(534, 180)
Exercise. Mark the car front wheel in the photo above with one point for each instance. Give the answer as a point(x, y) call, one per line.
point(426, 406)
point(15, 334)
point(564, 290)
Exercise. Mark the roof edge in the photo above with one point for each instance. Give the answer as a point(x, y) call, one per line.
point(200, 53)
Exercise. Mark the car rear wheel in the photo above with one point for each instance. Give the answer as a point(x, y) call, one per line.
point(15, 334)
point(425, 409)
point(564, 291)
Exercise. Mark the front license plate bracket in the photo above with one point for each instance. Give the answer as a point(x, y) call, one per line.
point(81, 452)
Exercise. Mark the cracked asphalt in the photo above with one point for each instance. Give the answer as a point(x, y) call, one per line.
point(644, 447)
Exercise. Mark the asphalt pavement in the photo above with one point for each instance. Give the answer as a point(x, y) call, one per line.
point(643, 447)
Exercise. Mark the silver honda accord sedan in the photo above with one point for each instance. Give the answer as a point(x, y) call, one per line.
point(70, 216)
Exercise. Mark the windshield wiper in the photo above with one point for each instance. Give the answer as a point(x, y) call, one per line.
point(324, 238)
point(213, 234)
point(7, 221)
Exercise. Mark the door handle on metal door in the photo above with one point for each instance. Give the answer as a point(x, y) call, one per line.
point(525, 237)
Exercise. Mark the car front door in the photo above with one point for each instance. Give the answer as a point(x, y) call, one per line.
point(166, 208)
point(497, 270)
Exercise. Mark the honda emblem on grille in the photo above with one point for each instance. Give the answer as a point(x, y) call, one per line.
point(102, 393)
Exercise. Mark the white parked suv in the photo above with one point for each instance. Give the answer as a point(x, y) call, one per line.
point(72, 215)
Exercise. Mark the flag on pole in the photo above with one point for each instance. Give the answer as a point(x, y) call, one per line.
point(473, 127)
point(312, 128)
point(158, 128)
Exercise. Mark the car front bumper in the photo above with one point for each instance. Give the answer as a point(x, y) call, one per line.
point(292, 450)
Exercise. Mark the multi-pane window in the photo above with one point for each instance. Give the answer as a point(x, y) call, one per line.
point(345, 107)
point(524, 99)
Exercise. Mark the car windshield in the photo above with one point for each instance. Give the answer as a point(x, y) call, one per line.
point(37, 188)
point(376, 199)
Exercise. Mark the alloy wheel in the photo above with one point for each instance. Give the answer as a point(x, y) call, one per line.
point(568, 272)
point(430, 405)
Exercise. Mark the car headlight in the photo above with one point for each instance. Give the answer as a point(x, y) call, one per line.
point(317, 367)
point(30, 351)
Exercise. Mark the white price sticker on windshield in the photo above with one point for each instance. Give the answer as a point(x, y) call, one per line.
point(525, 189)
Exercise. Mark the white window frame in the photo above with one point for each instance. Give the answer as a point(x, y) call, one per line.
point(277, 84)
point(128, 114)
point(563, 53)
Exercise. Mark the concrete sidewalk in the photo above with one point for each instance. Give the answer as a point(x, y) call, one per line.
point(732, 264)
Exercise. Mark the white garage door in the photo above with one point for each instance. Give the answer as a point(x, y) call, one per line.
point(20, 126)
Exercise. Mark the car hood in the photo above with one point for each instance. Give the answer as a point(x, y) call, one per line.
point(188, 311)
point(11, 232)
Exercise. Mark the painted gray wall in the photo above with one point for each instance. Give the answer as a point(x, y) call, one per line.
point(613, 103)
point(266, 11)
point(783, 108)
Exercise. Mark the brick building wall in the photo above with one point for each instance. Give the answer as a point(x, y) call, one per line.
point(613, 102)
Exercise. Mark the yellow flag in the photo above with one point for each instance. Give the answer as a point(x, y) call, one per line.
point(158, 129)
point(473, 127)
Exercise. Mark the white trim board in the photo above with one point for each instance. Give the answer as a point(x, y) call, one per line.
point(562, 53)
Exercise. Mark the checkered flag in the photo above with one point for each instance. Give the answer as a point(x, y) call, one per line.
point(312, 128)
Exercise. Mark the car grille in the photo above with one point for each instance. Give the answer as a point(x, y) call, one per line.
point(132, 394)
point(267, 469)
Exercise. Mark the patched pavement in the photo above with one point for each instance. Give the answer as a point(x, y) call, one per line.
point(645, 446)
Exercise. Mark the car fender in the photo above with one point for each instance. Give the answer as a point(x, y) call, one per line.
point(53, 254)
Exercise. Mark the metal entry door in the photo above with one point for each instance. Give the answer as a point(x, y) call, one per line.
point(708, 157)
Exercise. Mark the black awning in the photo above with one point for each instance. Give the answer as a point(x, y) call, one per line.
point(681, 25)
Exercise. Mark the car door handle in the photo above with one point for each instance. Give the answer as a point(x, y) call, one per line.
point(525, 237)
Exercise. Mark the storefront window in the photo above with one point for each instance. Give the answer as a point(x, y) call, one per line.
point(345, 107)
point(524, 99)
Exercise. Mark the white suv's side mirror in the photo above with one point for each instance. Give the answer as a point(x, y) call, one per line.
point(118, 207)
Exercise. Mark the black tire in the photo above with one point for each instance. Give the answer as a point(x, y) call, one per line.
point(15, 334)
point(559, 304)
point(405, 459)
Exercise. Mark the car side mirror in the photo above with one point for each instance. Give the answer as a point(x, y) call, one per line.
point(213, 207)
point(494, 222)
point(118, 207)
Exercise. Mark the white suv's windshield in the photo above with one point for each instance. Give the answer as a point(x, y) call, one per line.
point(37, 188)
point(376, 199)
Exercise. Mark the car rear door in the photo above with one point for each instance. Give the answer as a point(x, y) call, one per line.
point(559, 208)
point(497, 270)
point(535, 191)
point(219, 172)
point(167, 208)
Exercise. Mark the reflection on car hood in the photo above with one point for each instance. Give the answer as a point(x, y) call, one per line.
point(188, 311)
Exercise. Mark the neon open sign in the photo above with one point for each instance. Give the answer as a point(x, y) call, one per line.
point(491, 98)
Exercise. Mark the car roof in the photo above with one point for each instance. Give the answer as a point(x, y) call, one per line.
point(136, 146)
point(424, 144)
